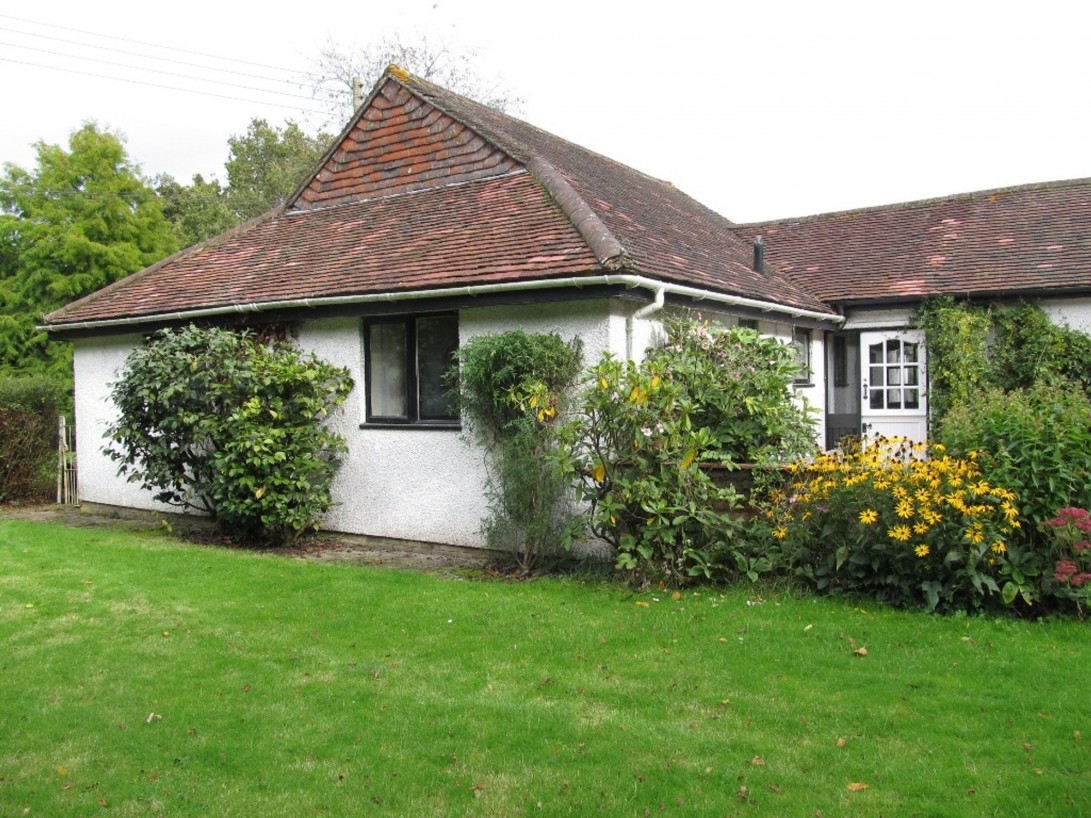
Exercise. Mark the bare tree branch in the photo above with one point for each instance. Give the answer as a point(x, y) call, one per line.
point(431, 59)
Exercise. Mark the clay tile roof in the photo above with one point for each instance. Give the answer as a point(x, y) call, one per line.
point(426, 189)
point(1025, 240)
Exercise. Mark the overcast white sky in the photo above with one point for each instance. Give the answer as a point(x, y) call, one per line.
point(758, 109)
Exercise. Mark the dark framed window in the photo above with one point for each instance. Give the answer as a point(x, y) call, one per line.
point(405, 360)
point(748, 323)
point(801, 341)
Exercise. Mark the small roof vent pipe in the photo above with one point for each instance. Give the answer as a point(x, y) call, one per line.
point(759, 255)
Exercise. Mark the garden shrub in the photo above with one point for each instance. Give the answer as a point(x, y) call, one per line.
point(233, 425)
point(1035, 441)
point(636, 447)
point(904, 525)
point(512, 388)
point(1028, 348)
point(29, 408)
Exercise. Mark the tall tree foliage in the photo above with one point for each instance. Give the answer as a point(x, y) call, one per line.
point(81, 219)
point(267, 164)
point(264, 167)
point(197, 211)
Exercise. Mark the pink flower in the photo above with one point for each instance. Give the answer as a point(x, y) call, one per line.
point(1064, 570)
point(1080, 579)
point(1079, 517)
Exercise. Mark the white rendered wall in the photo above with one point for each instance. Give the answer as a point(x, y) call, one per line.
point(427, 484)
point(98, 363)
point(1074, 313)
point(412, 483)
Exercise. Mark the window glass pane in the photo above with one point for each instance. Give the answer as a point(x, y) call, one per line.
point(894, 399)
point(437, 341)
point(840, 361)
point(911, 375)
point(876, 376)
point(910, 353)
point(912, 399)
point(801, 340)
point(875, 399)
point(894, 352)
point(387, 396)
point(894, 376)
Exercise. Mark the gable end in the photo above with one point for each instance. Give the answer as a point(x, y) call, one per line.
point(398, 144)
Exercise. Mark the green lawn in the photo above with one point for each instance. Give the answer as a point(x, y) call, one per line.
point(144, 677)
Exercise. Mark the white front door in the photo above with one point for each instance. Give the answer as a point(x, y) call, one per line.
point(892, 376)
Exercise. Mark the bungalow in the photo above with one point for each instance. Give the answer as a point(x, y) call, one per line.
point(433, 219)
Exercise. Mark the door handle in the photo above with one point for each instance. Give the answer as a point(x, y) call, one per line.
point(865, 390)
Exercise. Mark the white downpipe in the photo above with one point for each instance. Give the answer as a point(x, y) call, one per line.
point(643, 312)
point(659, 288)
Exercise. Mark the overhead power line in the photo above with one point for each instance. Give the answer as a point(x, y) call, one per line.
point(166, 87)
point(187, 63)
point(156, 45)
point(156, 70)
point(69, 51)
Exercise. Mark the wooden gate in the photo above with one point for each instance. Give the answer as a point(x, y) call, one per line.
point(66, 463)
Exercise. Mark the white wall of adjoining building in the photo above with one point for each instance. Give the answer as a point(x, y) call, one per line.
point(1074, 313)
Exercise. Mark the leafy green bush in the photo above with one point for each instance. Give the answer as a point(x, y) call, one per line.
point(903, 525)
point(1028, 348)
point(231, 425)
point(739, 384)
point(511, 388)
point(636, 447)
point(1035, 441)
point(29, 407)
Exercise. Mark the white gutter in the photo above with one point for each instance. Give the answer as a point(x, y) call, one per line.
point(659, 288)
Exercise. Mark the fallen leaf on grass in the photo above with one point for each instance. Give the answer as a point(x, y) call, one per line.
point(743, 793)
point(861, 652)
point(757, 761)
point(677, 595)
point(856, 786)
point(477, 789)
point(642, 603)
point(841, 742)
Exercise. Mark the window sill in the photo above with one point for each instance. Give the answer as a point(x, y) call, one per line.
point(436, 426)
